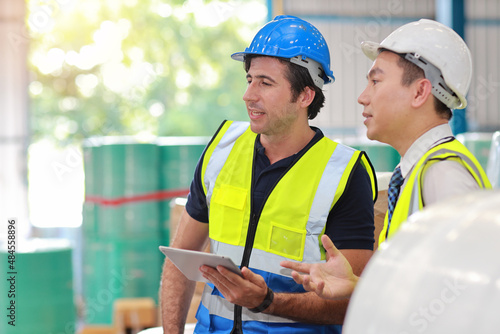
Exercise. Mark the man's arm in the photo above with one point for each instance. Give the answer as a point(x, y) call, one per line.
point(332, 279)
point(250, 290)
point(176, 290)
point(351, 223)
point(309, 307)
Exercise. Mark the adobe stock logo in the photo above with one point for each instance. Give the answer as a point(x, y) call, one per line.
point(421, 319)
point(484, 88)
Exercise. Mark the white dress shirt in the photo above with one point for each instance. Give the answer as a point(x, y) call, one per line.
point(443, 179)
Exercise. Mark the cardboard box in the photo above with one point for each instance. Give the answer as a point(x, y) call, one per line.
point(136, 313)
point(98, 329)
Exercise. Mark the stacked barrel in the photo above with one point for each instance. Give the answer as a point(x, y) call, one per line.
point(383, 157)
point(39, 286)
point(129, 186)
point(479, 144)
point(179, 156)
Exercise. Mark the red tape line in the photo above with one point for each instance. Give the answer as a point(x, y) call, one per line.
point(156, 196)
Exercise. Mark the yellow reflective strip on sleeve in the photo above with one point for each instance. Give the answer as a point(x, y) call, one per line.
point(365, 161)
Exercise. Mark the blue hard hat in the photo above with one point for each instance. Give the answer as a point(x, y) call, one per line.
point(293, 38)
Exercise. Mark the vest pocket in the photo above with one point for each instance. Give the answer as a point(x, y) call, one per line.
point(227, 209)
point(286, 241)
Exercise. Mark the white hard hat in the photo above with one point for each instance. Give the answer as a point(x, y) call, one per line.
point(437, 274)
point(428, 41)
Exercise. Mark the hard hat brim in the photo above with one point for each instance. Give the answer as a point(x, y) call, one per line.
point(370, 49)
point(239, 56)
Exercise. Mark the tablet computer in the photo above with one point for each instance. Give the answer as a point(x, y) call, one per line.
point(189, 262)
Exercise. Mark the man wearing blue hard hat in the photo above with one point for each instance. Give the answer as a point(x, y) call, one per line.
point(265, 191)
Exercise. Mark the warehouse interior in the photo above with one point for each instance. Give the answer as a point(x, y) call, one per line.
point(89, 214)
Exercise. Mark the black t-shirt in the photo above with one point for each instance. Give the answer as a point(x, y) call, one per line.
point(350, 223)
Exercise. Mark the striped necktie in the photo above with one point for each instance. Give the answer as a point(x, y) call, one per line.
point(393, 193)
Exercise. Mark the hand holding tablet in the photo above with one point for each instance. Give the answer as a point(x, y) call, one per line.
point(189, 262)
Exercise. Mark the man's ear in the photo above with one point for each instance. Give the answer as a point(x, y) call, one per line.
point(306, 97)
point(422, 92)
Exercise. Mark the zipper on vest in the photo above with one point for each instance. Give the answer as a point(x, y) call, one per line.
point(252, 228)
point(254, 217)
point(255, 214)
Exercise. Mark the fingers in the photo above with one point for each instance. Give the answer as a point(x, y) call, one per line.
point(298, 278)
point(330, 248)
point(223, 278)
point(210, 274)
point(306, 282)
point(253, 278)
point(229, 275)
point(247, 290)
point(319, 288)
point(297, 266)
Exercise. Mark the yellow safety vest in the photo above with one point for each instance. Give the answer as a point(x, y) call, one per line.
point(411, 197)
point(293, 217)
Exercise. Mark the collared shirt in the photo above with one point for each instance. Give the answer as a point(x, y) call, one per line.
point(443, 179)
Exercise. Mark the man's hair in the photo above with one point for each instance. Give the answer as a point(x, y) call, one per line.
point(299, 78)
point(412, 72)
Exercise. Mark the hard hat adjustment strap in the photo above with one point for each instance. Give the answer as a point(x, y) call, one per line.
point(439, 88)
point(314, 68)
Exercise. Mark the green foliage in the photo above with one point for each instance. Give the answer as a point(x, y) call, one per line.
point(133, 67)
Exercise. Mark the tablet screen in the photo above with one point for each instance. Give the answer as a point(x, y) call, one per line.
point(189, 262)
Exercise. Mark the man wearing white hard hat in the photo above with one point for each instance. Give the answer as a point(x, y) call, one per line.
point(421, 71)
point(266, 190)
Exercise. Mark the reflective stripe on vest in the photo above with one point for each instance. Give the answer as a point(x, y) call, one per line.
point(411, 198)
point(267, 262)
point(219, 152)
point(294, 214)
point(219, 306)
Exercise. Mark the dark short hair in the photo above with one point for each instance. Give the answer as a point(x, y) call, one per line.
point(412, 72)
point(299, 78)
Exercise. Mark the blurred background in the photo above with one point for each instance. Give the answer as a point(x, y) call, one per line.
point(106, 106)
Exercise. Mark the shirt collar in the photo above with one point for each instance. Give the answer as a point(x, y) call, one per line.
point(425, 142)
point(317, 136)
